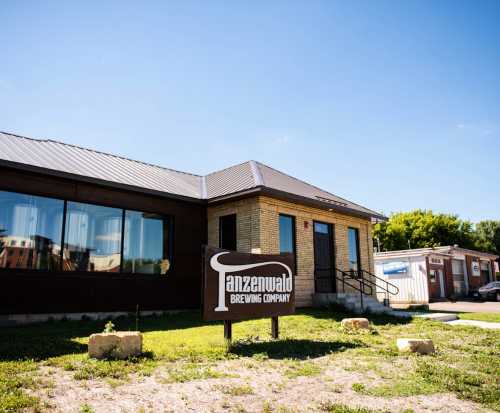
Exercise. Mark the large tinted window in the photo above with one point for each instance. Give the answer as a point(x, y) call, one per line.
point(353, 249)
point(227, 232)
point(92, 240)
point(287, 234)
point(146, 244)
point(30, 231)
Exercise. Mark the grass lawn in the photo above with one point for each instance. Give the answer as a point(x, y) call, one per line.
point(491, 317)
point(467, 361)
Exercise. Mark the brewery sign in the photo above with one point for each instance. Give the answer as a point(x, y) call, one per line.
point(239, 286)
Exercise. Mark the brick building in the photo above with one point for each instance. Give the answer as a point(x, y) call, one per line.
point(103, 233)
point(429, 274)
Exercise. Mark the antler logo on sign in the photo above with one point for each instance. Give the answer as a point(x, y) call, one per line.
point(239, 286)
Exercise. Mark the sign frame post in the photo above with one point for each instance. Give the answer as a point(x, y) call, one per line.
point(274, 328)
point(228, 330)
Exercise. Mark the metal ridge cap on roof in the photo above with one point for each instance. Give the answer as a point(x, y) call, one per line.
point(48, 140)
point(225, 169)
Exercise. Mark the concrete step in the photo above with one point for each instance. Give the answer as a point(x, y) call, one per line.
point(437, 316)
point(352, 302)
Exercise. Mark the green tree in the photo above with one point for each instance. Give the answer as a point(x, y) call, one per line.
point(422, 229)
point(487, 236)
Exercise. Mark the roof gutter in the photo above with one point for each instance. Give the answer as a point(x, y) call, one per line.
point(287, 196)
point(258, 190)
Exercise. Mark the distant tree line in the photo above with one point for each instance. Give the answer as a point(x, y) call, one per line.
point(424, 228)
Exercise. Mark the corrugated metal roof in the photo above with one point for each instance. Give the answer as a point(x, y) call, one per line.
point(61, 157)
point(72, 159)
point(230, 180)
point(254, 174)
point(275, 179)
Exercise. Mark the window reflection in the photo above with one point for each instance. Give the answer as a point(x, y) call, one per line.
point(353, 249)
point(287, 234)
point(146, 248)
point(30, 231)
point(32, 227)
point(92, 239)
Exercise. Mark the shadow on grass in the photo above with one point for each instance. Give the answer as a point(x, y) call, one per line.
point(338, 313)
point(57, 338)
point(292, 348)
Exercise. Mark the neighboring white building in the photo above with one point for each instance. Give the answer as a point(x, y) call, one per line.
point(427, 274)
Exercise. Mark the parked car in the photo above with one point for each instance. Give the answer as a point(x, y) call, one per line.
point(490, 291)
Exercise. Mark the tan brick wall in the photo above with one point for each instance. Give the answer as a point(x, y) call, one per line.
point(247, 223)
point(258, 231)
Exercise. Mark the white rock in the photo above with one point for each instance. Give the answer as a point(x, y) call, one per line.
point(355, 323)
point(415, 345)
point(121, 344)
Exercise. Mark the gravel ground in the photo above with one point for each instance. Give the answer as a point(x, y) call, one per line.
point(252, 387)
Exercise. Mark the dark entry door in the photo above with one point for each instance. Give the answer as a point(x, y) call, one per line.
point(324, 258)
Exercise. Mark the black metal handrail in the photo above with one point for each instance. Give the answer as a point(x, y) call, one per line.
point(385, 289)
point(357, 280)
point(362, 287)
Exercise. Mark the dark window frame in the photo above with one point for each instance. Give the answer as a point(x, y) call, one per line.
point(13, 243)
point(358, 253)
point(222, 217)
point(92, 221)
point(171, 231)
point(294, 237)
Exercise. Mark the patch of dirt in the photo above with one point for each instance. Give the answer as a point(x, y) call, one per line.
point(266, 388)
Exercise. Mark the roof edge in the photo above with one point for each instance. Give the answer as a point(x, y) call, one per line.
point(97, 181)
point(316, 187)
point(287, 196)
point(445, 250)
point(98, 152)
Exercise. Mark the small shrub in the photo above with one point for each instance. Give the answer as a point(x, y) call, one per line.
point(109, 327)
point(236, 390)
point(191, 371)
point(342, 408)
point(260, 356)
point(85, 408)
point(303, 369)
point(266, 408)
point(358, 387)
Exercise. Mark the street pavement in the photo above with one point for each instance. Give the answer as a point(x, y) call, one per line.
point(467, 306)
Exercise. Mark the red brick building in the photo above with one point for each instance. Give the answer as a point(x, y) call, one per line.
point(427, 274)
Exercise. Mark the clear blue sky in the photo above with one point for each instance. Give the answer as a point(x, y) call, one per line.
point(395, 105)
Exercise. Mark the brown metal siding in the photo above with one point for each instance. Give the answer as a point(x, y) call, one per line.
point(25, 291)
